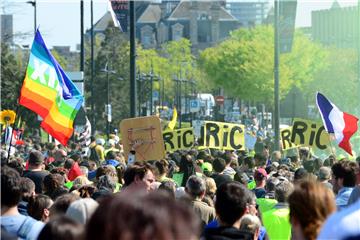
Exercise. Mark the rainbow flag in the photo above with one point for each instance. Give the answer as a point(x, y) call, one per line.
point(49, 92)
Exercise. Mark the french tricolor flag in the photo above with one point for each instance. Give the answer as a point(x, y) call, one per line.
point(341, 124)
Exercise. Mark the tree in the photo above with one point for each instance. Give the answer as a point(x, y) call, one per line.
point(339, 80)
point(114, 53)
point(243, 64)
point(12, 76)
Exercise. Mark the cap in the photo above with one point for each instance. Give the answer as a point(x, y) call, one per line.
point(36, 158)
point(207, 167)
point(324, 173)
point(82, 209)
point(260, 172)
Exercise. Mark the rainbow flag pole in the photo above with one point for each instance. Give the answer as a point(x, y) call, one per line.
point(48, 92)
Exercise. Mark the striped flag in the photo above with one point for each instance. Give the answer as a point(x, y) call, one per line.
point(48, 92)
point(341, 124)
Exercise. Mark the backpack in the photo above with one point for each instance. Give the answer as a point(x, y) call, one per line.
point(94, 155)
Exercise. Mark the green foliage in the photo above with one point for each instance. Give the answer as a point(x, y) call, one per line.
point(243, 65)
point(339, 80)
point(114, 51)
point(11, 78)
point(12, 75)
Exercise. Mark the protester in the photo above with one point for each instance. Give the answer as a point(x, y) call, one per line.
point(39, 207)
point(310, 204)
point(27, 187)
point(81, 210)
point(252, 224)
point(36, 172)
point(196, 189)
point(62, 228)
point(260, 177)
point(12, 221)
point(276, 220)
point(343, 181)
point(143, 216)
point(230, 206)
point(139, 175)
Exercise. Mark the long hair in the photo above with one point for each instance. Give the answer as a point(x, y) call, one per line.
point(310, 204)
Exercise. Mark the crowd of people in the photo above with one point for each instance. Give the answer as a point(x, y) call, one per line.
point(49, 191)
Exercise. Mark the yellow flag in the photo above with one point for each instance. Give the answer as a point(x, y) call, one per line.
point(172, 123)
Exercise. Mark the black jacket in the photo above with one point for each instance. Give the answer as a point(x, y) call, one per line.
point(226, 233)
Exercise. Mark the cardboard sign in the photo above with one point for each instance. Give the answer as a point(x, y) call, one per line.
point(224, 136)
point(147, 130)
point(178, 139)
point(309, 133)
point(250, 141)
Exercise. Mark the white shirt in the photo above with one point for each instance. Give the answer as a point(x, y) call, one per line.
point(342, 224)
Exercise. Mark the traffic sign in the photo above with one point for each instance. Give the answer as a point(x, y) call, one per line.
point(194, 105)
point(219, 100)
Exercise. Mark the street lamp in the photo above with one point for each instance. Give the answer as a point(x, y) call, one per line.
point(108, 101)
point(33, 3)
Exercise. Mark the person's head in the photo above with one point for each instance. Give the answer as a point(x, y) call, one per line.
point(161, 168)
point(324, 174)
point(10, 187)
point(61, 204)
point(251, 223)
point(344, 174)
point(60, 155)
point(219, 165)
point(69, 163)
point(260, 160)
point(110, 155)
point(260, 177)
point(241, 177)
point(107, 170)
point(310, 204)
point(276, 156)
point(27, 188)
point(168, 186)
point(282, 191)
point(62, 228)
point(84, 170)
point(210, 187)
point(106, 182)
point(81, 210)
point(52, 182)
point(249, 162)
point(39, 207)
point(36, 159)
point(143, 216)
point(231, 202)
point(300, 174)
point(81, 181)
point(140, 174)
point(196, 187)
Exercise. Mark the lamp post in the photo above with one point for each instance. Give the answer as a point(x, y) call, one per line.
point(33, 3)
point(108, 100)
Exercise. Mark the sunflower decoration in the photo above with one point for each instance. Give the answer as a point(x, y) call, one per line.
point(7, 117)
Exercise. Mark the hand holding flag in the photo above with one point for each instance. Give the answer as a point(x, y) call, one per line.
point(341, 124)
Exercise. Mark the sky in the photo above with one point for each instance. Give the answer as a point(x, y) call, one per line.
point(59, 20)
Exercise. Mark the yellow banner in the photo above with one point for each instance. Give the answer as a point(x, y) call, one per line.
point(309, 133)
point(178, 139)
point(224, 136)
point(285, 136)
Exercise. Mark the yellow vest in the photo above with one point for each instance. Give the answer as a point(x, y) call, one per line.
point(277, 224)
point(265, 204)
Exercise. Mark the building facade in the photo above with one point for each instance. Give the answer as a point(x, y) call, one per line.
point(337, 26)
point(7, 28)
point(249, 13)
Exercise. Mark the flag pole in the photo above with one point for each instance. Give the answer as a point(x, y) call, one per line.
point(331, 147)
